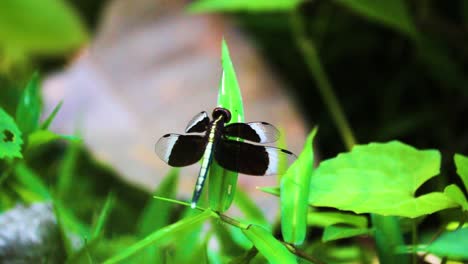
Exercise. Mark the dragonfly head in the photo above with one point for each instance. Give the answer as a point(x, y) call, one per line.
point(223, 112)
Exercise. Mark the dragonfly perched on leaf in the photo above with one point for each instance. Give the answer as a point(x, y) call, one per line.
point(219, 142)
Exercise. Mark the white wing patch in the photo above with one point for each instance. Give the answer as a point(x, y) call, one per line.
point(164, 146)
point(266, 132)
point(200, 117)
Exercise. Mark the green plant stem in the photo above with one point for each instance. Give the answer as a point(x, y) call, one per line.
point(323, 84)
point(414, 241)
point(388, 234)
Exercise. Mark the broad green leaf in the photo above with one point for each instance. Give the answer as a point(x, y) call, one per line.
point(188, 241)
point(170, 231)
point(106, 209)
point(451, 244)
point(41, 137)
point(29, 179)
point(222, 183)
point(228, 242)
point(156, 212)
point(40, 27)
point(10, 137)
point(252, 213)
point(393, 13)
point(243, 5)
point(52, 115)
point(461, 162)
point(268, 246)
point(338, 232)
point(454, 193)
point(295, 186)
point(28, 110)
point(324, 219)
point(379, 178)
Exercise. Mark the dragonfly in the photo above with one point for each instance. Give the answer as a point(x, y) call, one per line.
point(207, 139)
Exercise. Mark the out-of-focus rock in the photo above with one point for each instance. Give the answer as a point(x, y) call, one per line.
point(30, 235)
point(151, 68)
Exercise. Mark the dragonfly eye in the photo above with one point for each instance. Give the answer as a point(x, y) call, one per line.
point(222, 111)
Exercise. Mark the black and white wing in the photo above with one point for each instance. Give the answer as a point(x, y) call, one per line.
point(198, 124)
point(252, 159)
point(260, 132)
point(180, 150)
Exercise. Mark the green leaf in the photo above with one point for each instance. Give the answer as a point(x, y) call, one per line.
point(338, 232)
point(67, 169)
point(268, 246)
point(10, 137)
point(29, 179)
point(52, 115)
point(252, 213)
point(106, 209)
point(454, 193)
point(461, 162)
point(231, 240)
point(295, 186)
point(379, 178)
point(170, 231)
point(242, 5)
point(324, 219)
point(40, 27)
point(393, 14)
point(155, 215)
point(222, 183)
point(451, 244)
point(42, 137)
point(28, 110)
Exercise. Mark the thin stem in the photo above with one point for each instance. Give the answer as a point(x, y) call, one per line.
point(315, 67)
point(414, 240)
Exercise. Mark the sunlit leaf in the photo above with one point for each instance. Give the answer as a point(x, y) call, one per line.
point(324, 219)
point(106, 209)
point(29, 179)
point(461, 162)
point(222, 183)
point(339, 232)
point(243, 5)
point(170, 231)
point(294, 189)
point(379, 178)
point(453, 192)
point(451, 244)
point(10, 137)
point(42, 137)
point(28, 110)
point(268, 246)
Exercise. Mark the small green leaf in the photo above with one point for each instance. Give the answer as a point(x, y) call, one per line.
point(393, 13)
point(268, 246)
point(242, 5)
point(454, 193)
point(52, 115)
point(10, 137)
point(222, 183)
point(170, 231)
point(28, 110)
point(451, 244)
point(250, 210)
point(42, 137)
point(40, 27)
point(67, 169)
point(155, 215)
point(379, 178)
point(28, 178)
point(461, 162)
point(338, 232)
point(294, 189)
point(324, 219)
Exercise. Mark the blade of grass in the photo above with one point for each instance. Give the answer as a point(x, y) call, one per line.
point(106, 209)
point(52, 115)
point(251, 211)
point(163, 233)
point(222, 183)
point(29, 107)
